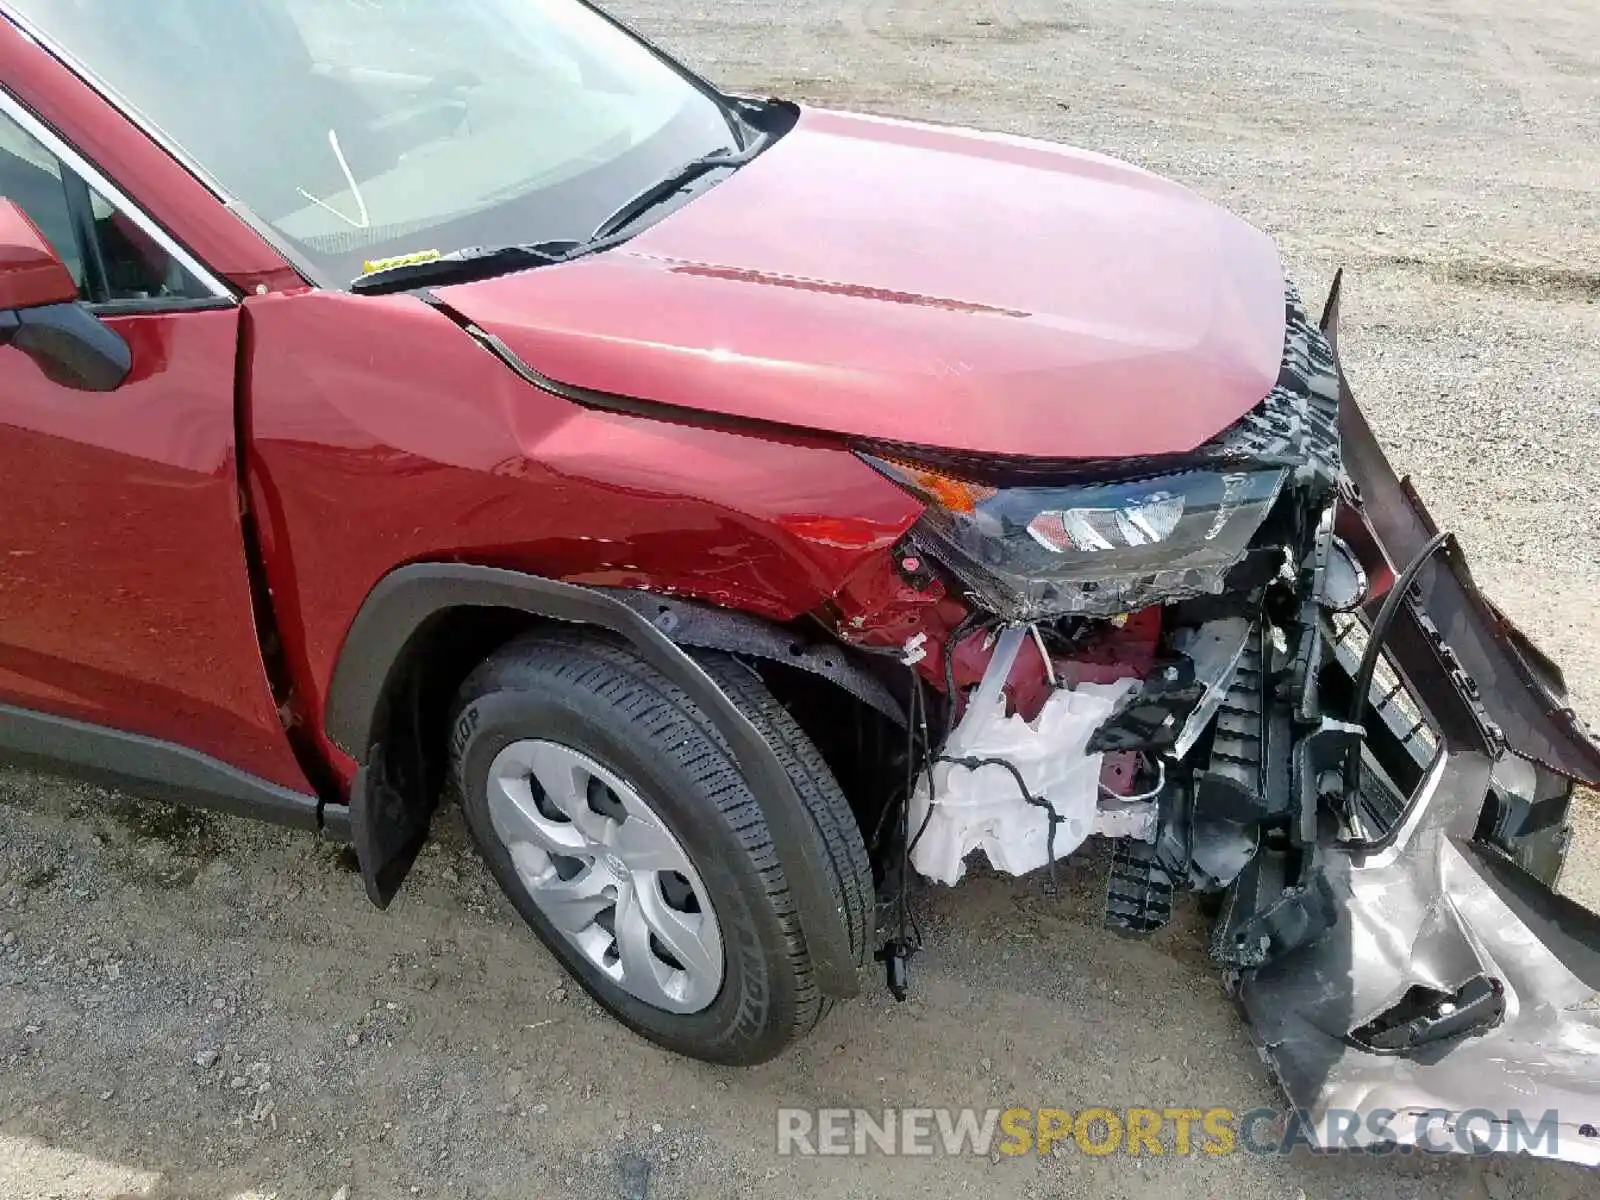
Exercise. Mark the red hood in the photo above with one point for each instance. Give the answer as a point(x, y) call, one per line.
point(917, 284)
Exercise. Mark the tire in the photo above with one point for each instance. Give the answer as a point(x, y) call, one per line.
point(631, 729)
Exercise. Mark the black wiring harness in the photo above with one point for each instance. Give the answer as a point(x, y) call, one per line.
point(1362, 684)
point(972, 763)
point(896, 953)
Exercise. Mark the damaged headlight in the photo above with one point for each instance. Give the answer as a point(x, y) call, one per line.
point(1092, 549)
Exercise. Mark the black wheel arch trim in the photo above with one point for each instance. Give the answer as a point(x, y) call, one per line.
point(376, 648)
point(692, 623)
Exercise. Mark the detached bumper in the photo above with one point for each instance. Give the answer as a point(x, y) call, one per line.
point(1454, 1003)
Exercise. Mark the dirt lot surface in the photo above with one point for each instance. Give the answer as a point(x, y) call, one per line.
point(196, 1008)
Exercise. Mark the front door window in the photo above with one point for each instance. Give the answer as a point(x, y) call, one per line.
point(112, 259)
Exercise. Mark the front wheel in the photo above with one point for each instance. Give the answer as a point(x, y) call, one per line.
point(613, 817)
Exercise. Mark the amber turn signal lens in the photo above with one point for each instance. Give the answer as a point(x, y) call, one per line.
point(956, 495)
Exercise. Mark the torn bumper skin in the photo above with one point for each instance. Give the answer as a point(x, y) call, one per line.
point(1453, 1002)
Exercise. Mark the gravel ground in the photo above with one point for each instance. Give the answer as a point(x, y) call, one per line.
point(196, 1008)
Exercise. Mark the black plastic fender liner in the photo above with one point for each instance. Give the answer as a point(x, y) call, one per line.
point(404, 601)
point(690, 623)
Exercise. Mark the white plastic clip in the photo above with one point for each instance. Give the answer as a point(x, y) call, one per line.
point(915, 650)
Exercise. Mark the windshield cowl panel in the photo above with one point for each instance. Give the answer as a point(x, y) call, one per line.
point(361, 133)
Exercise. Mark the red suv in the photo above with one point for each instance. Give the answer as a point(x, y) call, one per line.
point(746, 510)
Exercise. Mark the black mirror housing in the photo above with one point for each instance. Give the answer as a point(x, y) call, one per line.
point(72, 346)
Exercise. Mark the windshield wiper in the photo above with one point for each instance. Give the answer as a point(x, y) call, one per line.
point(480, 262)
point(666, 188)
point(464, 266)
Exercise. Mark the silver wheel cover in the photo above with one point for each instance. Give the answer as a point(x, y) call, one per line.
point(606, 872)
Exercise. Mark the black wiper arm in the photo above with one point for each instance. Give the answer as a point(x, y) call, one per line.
point(480, 262)
point(674, 183)
point(462, 266)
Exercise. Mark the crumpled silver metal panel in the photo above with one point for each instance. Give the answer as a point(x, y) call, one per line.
point(1435, 908)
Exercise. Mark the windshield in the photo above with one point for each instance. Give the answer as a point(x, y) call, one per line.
point(367, 129)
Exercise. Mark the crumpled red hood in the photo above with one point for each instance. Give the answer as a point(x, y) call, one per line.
point(917, 284)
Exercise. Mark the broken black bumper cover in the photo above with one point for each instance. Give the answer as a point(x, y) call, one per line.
point(1454, 1001)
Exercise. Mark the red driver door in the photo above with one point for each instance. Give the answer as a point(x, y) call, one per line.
point(124, 597)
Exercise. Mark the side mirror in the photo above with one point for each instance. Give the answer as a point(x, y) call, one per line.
point(40, 314)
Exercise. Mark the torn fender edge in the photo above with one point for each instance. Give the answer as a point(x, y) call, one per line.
point(1430, 911)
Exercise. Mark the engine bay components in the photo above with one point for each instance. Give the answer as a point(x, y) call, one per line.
point(1219, 563)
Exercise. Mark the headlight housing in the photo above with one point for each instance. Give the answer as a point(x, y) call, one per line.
point(1094, 549)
